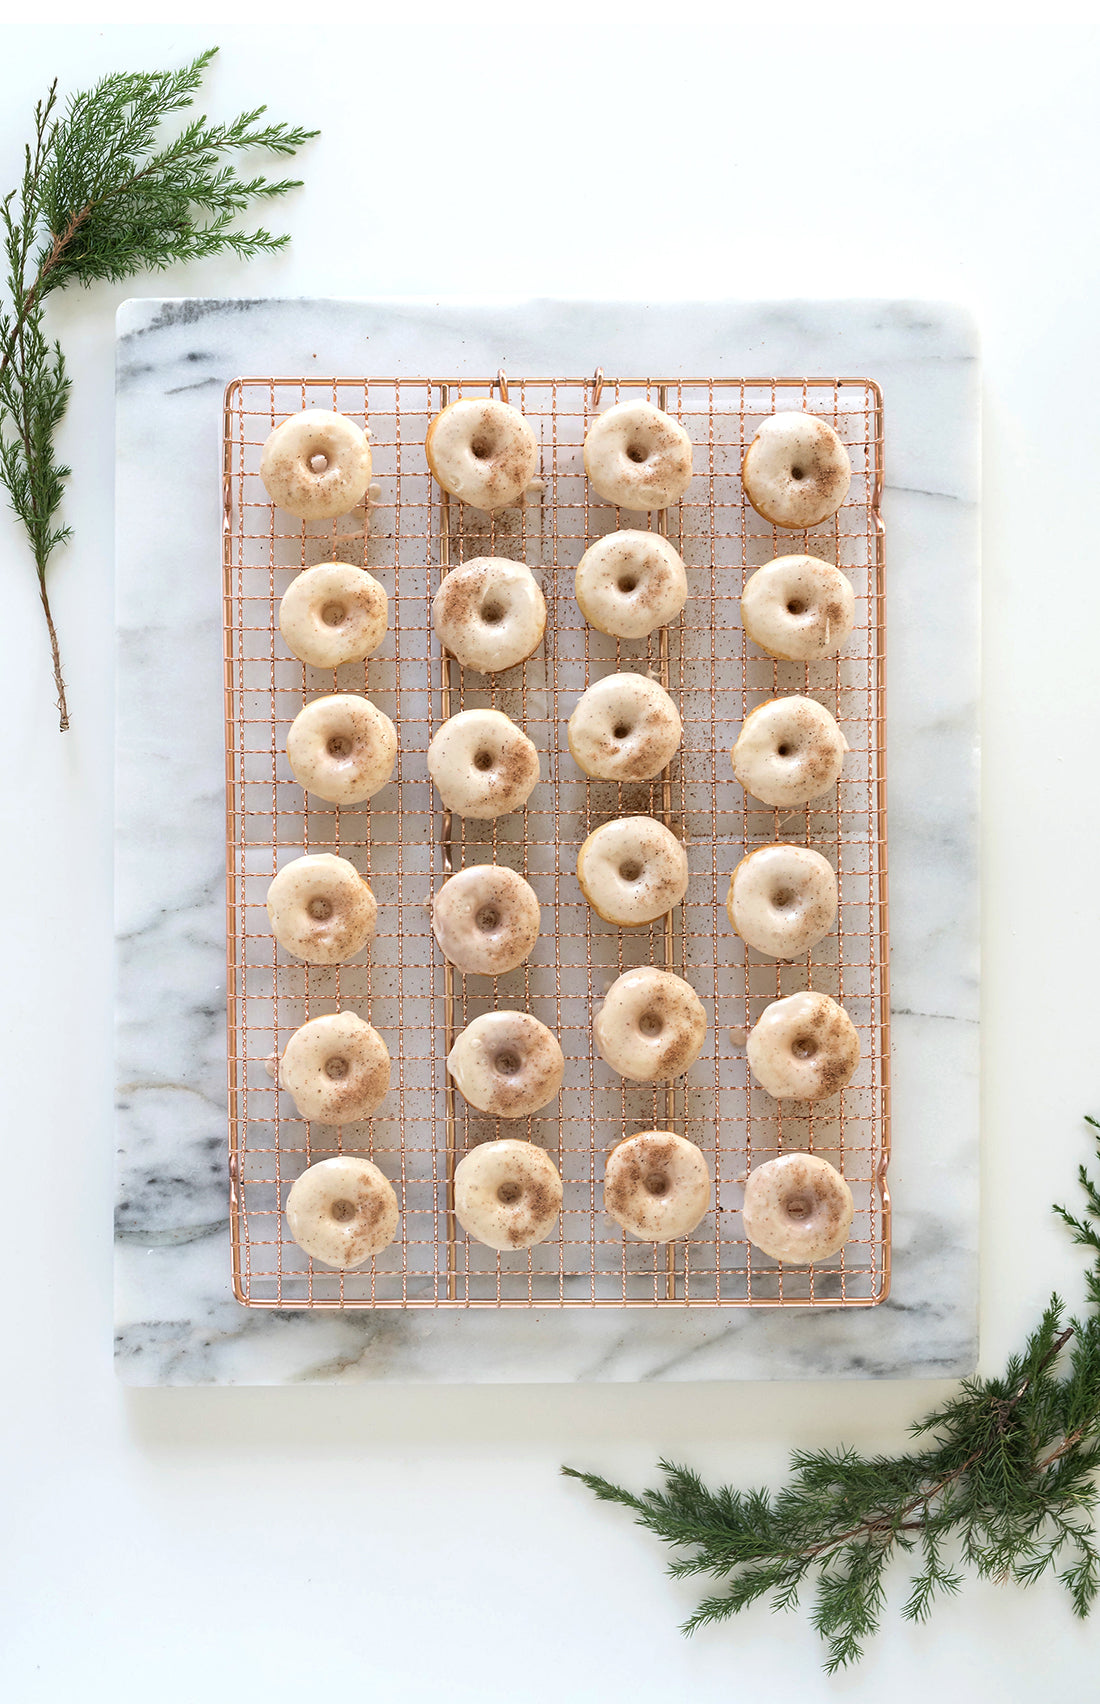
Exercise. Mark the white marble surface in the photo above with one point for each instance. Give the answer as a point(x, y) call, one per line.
point(177, 1320)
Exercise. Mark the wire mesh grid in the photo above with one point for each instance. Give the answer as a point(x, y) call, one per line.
point(405, 844)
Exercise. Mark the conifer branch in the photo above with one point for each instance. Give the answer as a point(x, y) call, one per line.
point(100, 201)
point(1009, 1485)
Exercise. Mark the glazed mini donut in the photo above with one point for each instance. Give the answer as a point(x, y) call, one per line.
point(624, 728)
point(803, 1048)
point(798, 608)
point(482, 764)
point(782, 900)
point(637, 457)
point(321, 909)
point(489, 613)
point(797, 1208)
point(486, 919)
point(507, 1064)
point(507, 1194)
point(332, 614)
point(342, 748)
point(651, 1026)
point(789, 750)
point(341, 1211)
point(482, 452)
point(336, 1069)
point(656, 1185)
point(316, 465)
point(632, 871)
point(630, 583)
point(796, 471)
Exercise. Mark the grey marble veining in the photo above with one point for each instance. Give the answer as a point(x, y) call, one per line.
point(177, 1319)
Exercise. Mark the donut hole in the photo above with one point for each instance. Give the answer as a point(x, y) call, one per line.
point(786, 749)
point(803, 1046)
point(651, 1023)
point(487, 919)
point(318, 463)
point(506, 1064)
point(481, 448)
point(621, 730)
point(795, 606)
point(656, 1183)
point(334, 615)
point(320, 908)
point(509, 1192)
point(627, 583)
point(798, 473)
point(637, 451)
point(630, 870)
point(340, 746)
point(798, 1207)
point(342, 1211)
point(782, 898)
point(336, 1067)
point(483, 760)
point(492, 613)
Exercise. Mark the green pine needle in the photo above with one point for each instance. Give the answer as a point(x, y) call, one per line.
point(1007, 1486)
point(100, 200)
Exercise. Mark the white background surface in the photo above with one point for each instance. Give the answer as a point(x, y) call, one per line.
point(415, 1544)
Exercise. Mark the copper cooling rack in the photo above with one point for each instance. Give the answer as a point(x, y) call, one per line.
point(407, 535)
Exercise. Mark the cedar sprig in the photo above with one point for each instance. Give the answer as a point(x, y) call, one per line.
point(1007, 1486)
point(100, 201)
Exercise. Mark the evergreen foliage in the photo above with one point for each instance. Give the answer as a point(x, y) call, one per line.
point(1006, 1485)
point(100, 200)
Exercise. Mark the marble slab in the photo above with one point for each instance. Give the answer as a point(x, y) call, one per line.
point(176, 1317)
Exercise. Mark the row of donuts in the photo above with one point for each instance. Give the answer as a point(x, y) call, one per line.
point(341, 747)
point(490, 615)
point(796, 472)
point(508, 1195)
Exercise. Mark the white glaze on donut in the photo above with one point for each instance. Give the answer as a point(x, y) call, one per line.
point(651, 1026)
point(336, 1069)
point(630, 583)
point(482, 451)
point(342, 1210)
point(321, 909)
point(798, 608)
point(656, 1185)
point(507, 1194)
point(797, 1208)
point(637, 457)
point(632, 871)
point(316, 465)
point(490, 613)
point(789, 750)
point(625, 727)
point(333, 614)
point(803, 1048)
point(782, 900)
point(507, 1064)
point(483, 765)
point(342, 748)
point(796, 471)
point(486, 919)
